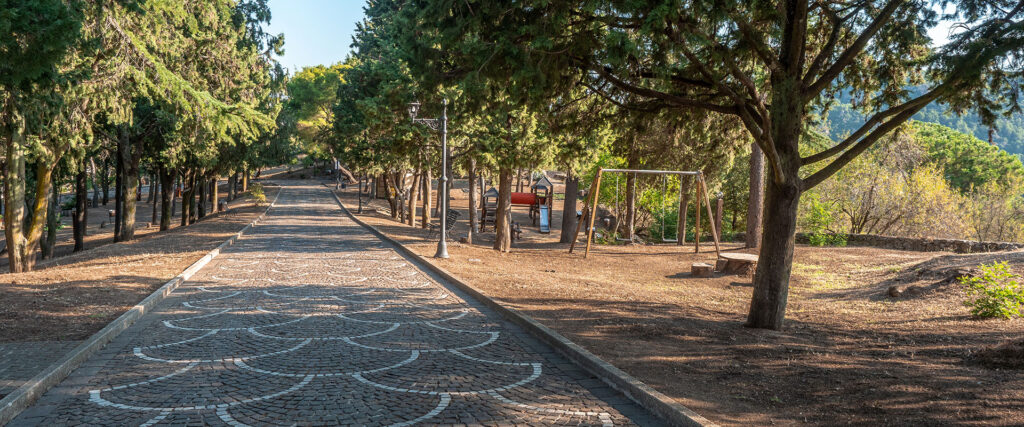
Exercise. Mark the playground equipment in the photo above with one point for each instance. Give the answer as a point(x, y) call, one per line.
point(543, 191)
point(539, 200)
point(664, 192)
point(701, 193)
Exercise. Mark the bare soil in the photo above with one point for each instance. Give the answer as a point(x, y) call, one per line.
point(850, 353)
point(72, 297)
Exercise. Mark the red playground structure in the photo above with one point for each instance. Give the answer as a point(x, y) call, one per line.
point(540, 200)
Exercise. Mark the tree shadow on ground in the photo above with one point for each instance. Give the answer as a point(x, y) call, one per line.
point(830, 374)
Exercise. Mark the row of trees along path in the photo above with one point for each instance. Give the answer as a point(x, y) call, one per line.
point(182, 91)
point(578, 83)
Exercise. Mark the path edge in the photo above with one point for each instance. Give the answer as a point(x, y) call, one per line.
point(642, 394)
point(15, 403)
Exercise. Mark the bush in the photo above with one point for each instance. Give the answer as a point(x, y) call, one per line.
point(996, 293)
point(818, 219)
point(827, 239)
point(256, 189)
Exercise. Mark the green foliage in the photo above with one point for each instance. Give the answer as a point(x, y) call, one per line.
point(827, 239)
point(907, 186)
point(818, 221)
point(1007, 132)
point(966, 161)
point(996, 293)
point(35, 36)
point(258, 194)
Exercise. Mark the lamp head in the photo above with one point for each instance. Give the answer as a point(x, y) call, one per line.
point(414, 109)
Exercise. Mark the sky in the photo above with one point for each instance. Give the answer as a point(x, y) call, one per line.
point(316, 31)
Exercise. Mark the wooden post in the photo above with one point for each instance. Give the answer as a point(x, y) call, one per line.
point(696, 226)
point(593, 211)
point(707, 203)
point(591, 200)
point(586, 208)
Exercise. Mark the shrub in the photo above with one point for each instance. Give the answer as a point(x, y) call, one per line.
point(819, 218)
point(827, 239)
point(256, 189)
point(997, 292)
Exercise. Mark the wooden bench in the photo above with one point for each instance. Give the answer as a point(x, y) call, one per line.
point(742, 264)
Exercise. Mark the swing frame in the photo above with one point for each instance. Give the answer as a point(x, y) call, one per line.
point(593, 196)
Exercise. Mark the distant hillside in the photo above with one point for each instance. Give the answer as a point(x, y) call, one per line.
point(843, 120)
point(966, 161)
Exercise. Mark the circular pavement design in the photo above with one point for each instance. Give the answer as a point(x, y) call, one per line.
point(311, 320)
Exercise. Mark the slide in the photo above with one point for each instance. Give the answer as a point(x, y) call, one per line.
point(545, 226)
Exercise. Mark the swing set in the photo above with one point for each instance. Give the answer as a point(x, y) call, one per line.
point(701, 193)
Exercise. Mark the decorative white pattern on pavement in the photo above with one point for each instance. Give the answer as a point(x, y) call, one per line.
point(310, 320)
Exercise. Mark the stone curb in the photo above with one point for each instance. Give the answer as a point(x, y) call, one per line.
point(644, 395)
point(19, 400)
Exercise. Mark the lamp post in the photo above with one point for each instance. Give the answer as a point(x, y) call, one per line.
point(442, 125)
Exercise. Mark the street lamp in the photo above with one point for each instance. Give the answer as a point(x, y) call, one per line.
point(442, 125)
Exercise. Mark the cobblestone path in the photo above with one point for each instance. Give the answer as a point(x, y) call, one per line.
point(311, 320)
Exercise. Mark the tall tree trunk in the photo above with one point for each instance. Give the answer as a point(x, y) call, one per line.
point(80, 223)
point(105, 179)
point(167, 177)
point(719, 212)
point(684, 210)
point(118, 194)
point(393, 190)
point(755, 205)
point(400, 181)
point(131, 156)
point(630, 204)
point(245, 180)
point(155, 187)
point(572, 187)
point(203, 186)
point(14, 189)
point(782, 198)
point(771, 280)
point(34, 227)
point(413, 192)
point(474, 208)
point(150, 196)
point(174, 190)
point(186, 192)
point(52, 220)
point(214, 194)
point(94, 174)
point(425, 189)
point(503, 214)
point(193, 181)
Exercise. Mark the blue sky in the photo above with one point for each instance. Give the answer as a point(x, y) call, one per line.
point(316, 31)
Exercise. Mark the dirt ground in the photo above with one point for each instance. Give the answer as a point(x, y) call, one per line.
point(100, 230)
point(72, 297)
point(850, 354)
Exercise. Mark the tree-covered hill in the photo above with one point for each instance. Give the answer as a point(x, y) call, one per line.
point(843, 119)
point(965, 160)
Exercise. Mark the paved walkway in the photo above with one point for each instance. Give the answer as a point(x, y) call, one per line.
point(20, 361)
point(311, 320)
